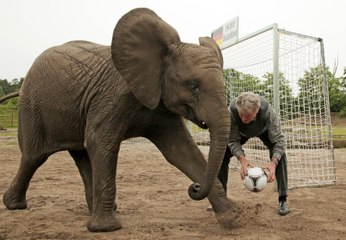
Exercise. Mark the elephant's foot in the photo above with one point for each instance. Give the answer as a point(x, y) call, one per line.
point(90, 208)
point(221, 204)
point(219, 200)
point(233, 217)
point(14, 201)
point(103, 223)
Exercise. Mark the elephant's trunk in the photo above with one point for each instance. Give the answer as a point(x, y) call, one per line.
point(219, 134)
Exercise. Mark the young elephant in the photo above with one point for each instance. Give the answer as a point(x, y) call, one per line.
point(87, 98)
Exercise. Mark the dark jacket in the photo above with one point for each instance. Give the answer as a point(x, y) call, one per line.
point(266, 120)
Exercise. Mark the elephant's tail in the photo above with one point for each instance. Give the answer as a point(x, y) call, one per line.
point(9, 96)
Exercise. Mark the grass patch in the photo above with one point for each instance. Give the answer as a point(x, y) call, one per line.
point(340, 131)
point(8, 117)
point(8, 132)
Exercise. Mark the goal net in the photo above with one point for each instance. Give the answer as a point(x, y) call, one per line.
point(288, 70)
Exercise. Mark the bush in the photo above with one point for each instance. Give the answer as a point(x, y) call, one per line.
point(342, 113)
point(13, 103)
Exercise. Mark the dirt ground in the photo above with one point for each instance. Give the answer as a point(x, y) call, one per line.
point(153, 202)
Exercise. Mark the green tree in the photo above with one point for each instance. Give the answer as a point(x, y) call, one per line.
point(237, 82)
point(5, 86)
point(10, 87)
point(335, 95)
point(2, 93)
point(285, 92)
point(342, 87)
point(310, 89)
point(311, 86)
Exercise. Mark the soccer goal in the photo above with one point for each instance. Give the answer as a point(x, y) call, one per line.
point(289, 70)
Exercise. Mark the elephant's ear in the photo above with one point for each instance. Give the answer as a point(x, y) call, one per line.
point(141, 40)
point(210, 43)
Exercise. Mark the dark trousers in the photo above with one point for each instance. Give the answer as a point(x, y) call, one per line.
point(280, 172)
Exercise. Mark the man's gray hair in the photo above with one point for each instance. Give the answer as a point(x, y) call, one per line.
point(248, 102)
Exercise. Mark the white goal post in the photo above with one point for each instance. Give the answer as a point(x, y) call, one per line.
point(289, 70)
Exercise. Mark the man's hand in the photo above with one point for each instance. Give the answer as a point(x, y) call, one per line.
point(271, 166)
point(244, 165)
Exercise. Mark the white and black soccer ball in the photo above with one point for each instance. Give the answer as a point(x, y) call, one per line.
point(255, 179)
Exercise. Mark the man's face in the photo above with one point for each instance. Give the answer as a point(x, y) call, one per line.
point(247, 118)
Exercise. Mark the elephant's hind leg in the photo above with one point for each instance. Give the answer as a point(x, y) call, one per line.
point(82, 161)
point(15, 196)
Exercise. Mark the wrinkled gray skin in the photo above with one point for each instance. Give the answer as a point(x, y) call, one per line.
point(87, 98)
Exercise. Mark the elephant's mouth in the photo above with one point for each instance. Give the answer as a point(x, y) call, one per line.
point(192, 117)
point(200, 124)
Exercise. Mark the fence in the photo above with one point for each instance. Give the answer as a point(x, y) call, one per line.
point(9, 120)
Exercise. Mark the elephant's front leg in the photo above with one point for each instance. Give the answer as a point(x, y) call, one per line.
point(103, 163)
point(179, 148)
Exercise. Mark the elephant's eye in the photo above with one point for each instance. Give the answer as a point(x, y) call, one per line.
point(193, 86)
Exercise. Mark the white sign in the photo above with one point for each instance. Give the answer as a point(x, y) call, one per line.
point(227, 34)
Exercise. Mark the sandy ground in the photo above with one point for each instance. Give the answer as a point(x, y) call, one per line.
point(153, 203)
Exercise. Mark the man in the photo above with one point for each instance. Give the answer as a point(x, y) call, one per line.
point(252, 116)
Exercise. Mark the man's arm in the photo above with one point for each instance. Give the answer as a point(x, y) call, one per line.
point(234, 140)
point(275, 135)
point(237, 149)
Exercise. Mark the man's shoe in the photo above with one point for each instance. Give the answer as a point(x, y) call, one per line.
point(283, 208)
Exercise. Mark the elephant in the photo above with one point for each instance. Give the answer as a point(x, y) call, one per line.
point(86, 98)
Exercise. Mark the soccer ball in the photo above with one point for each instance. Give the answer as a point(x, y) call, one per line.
point(255, 179)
